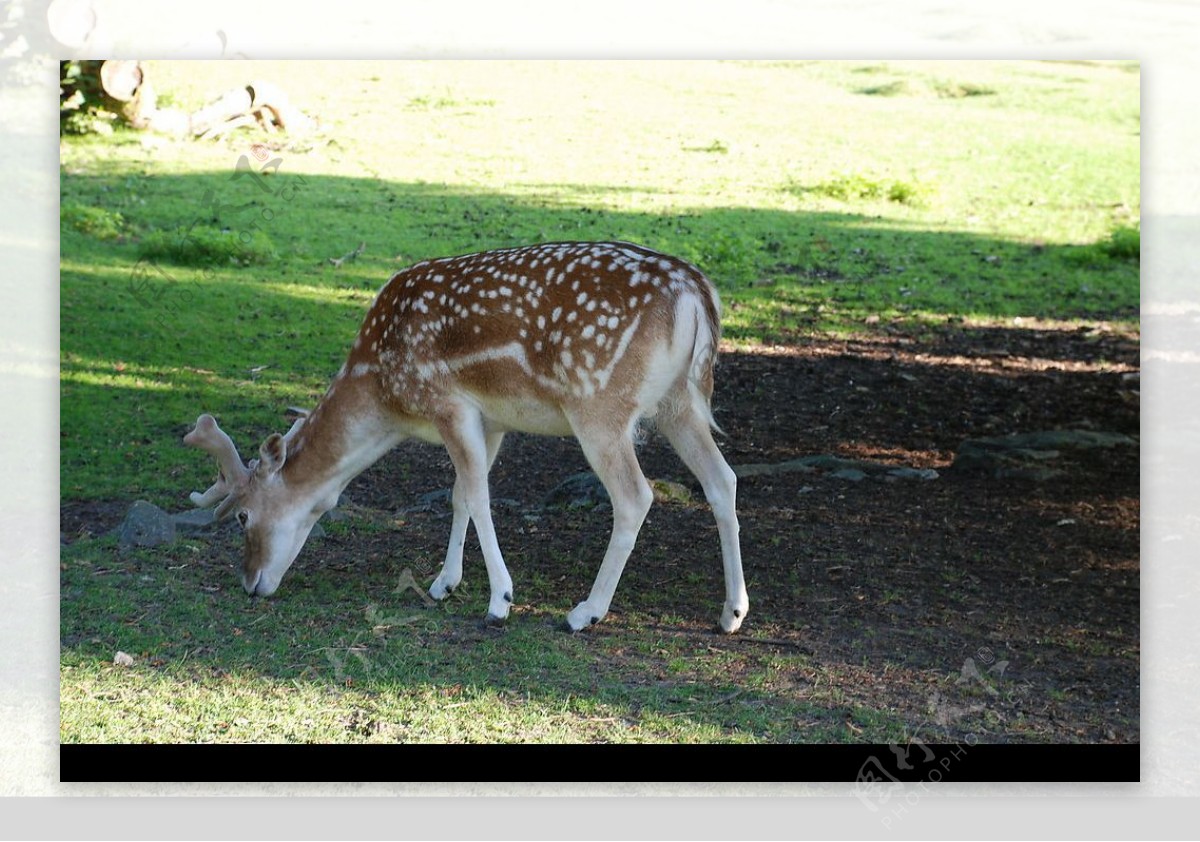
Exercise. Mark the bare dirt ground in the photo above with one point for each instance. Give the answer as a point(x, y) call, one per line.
point(1027, 590)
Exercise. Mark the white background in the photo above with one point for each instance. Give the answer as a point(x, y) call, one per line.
point(1162, 34)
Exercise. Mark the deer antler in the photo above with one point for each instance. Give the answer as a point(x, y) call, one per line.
point(234, 474)
point(302, 416)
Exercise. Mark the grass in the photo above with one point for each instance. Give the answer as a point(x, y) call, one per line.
point(334, 668)
point(822, 198)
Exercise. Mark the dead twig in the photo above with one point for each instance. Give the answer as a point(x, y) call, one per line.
point(349, 256)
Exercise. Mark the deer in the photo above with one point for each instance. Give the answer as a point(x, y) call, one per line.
point(583, 339)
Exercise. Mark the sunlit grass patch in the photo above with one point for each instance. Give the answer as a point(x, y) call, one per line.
point(101, 223)
point(207, 246)
point(858, 187)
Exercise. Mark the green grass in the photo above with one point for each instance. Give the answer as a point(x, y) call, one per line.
point(206, 246)
point(822, 198)
point(354, 661)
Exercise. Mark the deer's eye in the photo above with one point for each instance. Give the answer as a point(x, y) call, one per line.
point(242, 518)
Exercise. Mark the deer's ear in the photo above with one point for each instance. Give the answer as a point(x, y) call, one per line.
point(273, 454)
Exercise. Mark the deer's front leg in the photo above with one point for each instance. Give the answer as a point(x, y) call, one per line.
point(612, 457)
point(472, 449)
point(451, 573)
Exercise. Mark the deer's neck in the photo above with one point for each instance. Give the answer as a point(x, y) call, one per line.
point(346, 433)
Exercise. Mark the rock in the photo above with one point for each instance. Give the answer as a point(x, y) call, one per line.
point(851, 470)
point(849, 474)
point(1030, 455)
point(827, 462)
point(912, 473)
point(666, 491)
point(578, 491)
point(430, 501)
point(123, 659)
point(755, 469)
point(195, 521)
point(436, 499)
point(146, 525)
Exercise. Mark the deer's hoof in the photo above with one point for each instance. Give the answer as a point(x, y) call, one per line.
point(582, 616)
point(731, 619)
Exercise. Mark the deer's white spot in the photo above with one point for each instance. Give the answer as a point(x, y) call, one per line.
point(588, 331)
point(555, 314)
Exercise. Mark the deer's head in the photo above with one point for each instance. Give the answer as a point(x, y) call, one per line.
point(275, 516)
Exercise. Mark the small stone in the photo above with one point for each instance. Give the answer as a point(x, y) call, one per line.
point(849, 474)
point(123, 659)
point(443, 496)
point(913, 473)
point(146, 525)
point(194, 521)
point(578, 491)
point(666, 491)
point(1029, 455)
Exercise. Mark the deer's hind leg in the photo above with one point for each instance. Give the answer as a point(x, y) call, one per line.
point(686, 426)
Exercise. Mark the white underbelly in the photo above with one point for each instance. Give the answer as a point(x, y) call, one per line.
point(525, 416)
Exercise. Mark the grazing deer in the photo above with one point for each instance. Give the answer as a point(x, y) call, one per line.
point(582, 339)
